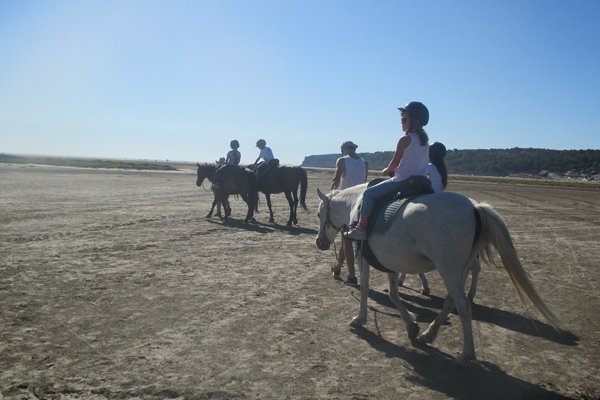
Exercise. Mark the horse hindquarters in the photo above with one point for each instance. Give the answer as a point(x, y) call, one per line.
point(426, 236)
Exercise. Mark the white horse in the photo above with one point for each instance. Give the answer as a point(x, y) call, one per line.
point(435, 231)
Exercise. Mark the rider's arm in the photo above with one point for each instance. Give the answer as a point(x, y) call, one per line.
point(366, 171)
point(340, 170)
point(403, 143)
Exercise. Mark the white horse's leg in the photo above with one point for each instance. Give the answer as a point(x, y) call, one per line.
point(451, 274)
point(463, 305)
point(411, 326)
point(365, 269)
point(431, 332)
point(401, 279)
point(425, 290)
point(475, 270)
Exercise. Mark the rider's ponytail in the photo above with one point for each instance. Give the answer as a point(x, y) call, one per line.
point(416, 127)
point(437, 152)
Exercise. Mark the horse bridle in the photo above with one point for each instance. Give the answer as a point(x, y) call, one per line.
point(329, 222)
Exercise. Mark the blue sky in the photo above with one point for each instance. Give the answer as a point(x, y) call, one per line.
point(180, 79)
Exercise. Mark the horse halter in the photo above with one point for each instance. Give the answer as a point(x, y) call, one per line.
point(329, 222)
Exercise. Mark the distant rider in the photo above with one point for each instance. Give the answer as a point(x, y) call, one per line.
point(267, 155)
point(233, 158)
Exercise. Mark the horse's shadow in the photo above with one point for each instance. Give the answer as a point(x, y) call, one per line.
point(292, 230)
point(264, 228)
point(430, 367)
point(421, 306)
point(238, 223)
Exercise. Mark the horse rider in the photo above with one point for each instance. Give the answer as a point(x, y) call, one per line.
point(269, 160)
point(233, 158)
point(410, 159)
point(436, 170)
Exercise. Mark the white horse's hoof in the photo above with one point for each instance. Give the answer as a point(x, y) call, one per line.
point(413, 331)
point(460, 362)
point(426, 337)
point(357, 322)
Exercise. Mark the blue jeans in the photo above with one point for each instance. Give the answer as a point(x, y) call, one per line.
point(376, 192)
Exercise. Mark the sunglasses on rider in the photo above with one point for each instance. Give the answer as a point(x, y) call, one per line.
point(403, 119)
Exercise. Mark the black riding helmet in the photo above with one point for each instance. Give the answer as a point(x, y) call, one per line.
point(235, 144)
point(417, 110)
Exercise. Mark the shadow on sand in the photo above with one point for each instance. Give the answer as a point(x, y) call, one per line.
point(262, 227)
point(429, 367)
point(422, 307)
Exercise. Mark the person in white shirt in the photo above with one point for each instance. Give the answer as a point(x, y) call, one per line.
point(436, 170)
point(267, 155)
point(350, 170)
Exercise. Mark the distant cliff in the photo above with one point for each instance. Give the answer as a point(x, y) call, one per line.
point(493, 162)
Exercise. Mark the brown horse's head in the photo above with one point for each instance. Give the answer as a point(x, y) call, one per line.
point(205, 171)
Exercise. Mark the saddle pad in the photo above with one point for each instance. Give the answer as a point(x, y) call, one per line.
point(387, 214)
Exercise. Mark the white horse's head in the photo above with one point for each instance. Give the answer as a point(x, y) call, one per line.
point(328, 228)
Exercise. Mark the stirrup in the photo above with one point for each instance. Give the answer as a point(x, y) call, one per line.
point(356, 234)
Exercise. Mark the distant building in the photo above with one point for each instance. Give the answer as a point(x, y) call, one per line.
point(553, 175)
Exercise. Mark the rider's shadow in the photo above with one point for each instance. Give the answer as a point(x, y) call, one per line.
point(238, 223)
point(421, 307)
point(429, 367)
point(292, 230)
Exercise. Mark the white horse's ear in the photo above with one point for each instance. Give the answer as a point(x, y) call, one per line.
point(321, 195)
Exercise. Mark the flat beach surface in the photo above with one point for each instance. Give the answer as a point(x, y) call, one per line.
point(114, 285)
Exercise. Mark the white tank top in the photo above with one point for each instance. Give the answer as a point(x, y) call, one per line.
point(356, 172)
point(435, 178)
point(414, 160)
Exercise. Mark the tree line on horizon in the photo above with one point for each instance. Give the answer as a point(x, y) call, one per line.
point(490, 162)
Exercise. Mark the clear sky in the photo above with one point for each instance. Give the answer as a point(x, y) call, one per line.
point(180, 79)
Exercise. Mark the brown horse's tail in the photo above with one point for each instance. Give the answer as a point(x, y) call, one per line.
point(303, 187)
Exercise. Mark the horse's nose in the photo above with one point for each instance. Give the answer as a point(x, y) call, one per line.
point(322, 244)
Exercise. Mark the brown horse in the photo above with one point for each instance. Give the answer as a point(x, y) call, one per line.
point(286, 179)
point(241, 181)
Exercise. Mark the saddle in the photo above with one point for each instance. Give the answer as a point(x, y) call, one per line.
point(260, 172)
point(385, 210)
point(224, 173)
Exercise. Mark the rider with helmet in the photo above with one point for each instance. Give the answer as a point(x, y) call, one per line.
point(267, 155)
point(233, 158)
point(410, 159)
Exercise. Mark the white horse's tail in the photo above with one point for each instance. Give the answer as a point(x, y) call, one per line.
point(495, 232)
